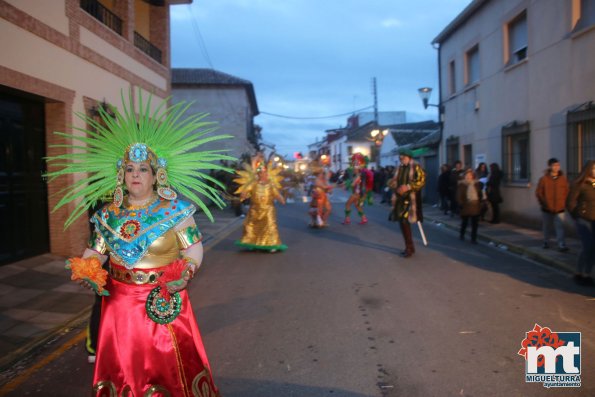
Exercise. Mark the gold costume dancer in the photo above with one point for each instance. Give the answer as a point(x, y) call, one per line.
point(262, 184)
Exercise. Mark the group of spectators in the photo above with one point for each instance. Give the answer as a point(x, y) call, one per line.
point(486, 179)
point(472, 193)
point(556, 197)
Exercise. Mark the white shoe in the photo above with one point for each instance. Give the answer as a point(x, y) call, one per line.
point(91, 359)
point(273, 250)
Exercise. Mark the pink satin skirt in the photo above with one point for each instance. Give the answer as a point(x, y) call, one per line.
point(138, 357)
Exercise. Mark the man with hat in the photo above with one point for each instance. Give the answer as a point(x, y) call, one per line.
point(551, 192)
point(407, 183)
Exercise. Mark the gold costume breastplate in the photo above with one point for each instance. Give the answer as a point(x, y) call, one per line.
point(162, 252)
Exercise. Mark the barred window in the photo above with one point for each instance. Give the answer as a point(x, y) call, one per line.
point(516, 152)
point(580, 138)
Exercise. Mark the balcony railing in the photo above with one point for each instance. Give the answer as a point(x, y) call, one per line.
point(103, 15)
point(147, 47)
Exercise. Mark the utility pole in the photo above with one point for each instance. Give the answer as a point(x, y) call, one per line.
point(374, 92)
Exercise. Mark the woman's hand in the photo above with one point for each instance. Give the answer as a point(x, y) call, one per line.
point(177, 285)
point(85, 284)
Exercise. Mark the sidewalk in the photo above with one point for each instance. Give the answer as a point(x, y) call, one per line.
point(38, 301)
point(506, 236)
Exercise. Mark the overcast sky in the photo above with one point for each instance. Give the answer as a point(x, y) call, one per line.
point(316, 58)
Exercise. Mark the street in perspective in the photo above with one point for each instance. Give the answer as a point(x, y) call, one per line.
point(341, 313)
point(231, 198)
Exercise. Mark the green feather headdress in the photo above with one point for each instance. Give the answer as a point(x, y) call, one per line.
point(97, 153)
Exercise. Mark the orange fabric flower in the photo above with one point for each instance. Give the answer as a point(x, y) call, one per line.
point(89, 269)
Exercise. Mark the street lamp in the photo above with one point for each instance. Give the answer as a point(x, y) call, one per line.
point(378, 136)
point(424, 94)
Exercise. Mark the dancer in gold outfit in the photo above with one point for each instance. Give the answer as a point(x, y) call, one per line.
point(261, 183)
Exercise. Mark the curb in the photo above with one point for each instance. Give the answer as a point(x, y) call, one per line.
point(516, 249)
point(221, 234)
point(13, 357)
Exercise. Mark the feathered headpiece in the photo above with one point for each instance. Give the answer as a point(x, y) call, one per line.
point(163, 138)
point(359, 160)
point(248, 177)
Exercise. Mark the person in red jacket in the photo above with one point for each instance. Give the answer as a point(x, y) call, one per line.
point(551, 193)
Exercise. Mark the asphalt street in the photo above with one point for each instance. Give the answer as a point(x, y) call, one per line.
point(340, 313)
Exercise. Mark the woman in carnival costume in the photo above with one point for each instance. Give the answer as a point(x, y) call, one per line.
point(149, 341)
point(261, 183)
point(357, 186)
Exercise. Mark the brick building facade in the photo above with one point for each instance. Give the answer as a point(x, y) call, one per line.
point(63, 57)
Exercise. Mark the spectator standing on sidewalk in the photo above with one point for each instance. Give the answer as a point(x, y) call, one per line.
point(481, 173)
point(443, 192)
point(581, 205)
point(493, 191)
point(469, 199)
point(453, 184)
point(551, 192)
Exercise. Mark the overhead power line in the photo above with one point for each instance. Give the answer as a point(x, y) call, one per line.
point(203, 48)
point(316, 117)
point(201, 42)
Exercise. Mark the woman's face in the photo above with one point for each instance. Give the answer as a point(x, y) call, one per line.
point(468, 176)
point(139, 180)
point(263, 176)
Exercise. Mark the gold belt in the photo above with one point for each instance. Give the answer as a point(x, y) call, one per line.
point(131, 276)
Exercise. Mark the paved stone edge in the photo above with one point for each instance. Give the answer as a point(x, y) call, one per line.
point(514, 248)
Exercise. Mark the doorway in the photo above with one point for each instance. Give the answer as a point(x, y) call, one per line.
point(24, 230)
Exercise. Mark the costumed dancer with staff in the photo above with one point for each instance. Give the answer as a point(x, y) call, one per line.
point(261, 183)
point(149, 342)
point(407, 183)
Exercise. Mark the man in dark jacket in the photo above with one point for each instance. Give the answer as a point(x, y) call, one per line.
point(407, 183)
point(551, 193)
